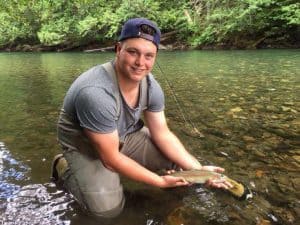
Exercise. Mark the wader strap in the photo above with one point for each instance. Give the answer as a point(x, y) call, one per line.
point(144, 86)
point(110, 70)
point(144, 93)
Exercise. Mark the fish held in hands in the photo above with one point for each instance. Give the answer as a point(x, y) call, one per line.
point(202, 176)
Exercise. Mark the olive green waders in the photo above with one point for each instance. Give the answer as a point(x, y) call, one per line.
point(97, 189)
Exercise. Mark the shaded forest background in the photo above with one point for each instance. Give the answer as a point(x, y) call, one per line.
point(62, 25)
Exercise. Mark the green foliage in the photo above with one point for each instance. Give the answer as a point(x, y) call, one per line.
point(198, 23)
point(232, 22)
point(290, 14)
point(18, 22)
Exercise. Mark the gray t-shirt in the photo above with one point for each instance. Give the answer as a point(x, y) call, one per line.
point(91, 102)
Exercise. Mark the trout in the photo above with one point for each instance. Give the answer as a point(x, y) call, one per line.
point(202, 176)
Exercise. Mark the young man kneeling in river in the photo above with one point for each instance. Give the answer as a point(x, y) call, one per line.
point(101, 133)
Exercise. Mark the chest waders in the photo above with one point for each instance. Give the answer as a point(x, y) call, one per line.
point(71, 133)
point(97, 189)
point(144, 88)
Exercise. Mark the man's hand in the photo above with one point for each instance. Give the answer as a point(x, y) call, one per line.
point(213, 169)
point(219, 183)
point(171, 181)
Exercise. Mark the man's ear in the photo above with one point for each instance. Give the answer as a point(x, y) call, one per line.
point(117, 47)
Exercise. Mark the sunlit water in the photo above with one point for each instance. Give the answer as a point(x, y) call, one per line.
point(246, 103)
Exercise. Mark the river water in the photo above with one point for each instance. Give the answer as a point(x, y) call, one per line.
point(245, 103)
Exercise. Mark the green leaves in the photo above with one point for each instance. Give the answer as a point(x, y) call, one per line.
point(291, 14)
point(248, 21)
point(197, 23)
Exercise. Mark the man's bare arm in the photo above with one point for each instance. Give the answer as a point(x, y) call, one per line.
point(107, 146)
point(168, 143)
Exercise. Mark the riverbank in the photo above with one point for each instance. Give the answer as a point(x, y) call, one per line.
point(168, 42)
point(164, 46)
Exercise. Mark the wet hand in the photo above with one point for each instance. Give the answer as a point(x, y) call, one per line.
point(171, 181)
point(213, 169)
point(217, 183)
point(169, 172)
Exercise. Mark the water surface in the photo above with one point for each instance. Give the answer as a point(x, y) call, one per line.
point(246, 103)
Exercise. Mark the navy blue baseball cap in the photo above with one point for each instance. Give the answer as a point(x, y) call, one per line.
point(135, 28)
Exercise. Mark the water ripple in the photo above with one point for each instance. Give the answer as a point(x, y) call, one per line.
point(28, 204)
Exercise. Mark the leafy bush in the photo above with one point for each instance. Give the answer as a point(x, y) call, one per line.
point(198, 23)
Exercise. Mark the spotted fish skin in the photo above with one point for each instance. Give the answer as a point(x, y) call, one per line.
point(198, 176)
point(202, 176)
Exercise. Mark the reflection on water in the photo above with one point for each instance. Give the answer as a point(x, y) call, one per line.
point(10, 169)
point(33, 204)
point(28, 204)
point(246, 103)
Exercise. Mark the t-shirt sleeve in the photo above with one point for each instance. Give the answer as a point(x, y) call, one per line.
point(96, 109)
point(156, 101)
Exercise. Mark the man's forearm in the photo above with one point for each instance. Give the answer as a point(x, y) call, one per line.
point(128, 167)
point(174, 150)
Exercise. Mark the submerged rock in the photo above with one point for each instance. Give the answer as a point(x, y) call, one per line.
point(263, 222)
point(176, 216)
point(272, 108)
point(248, 138)
point(236, 109)
point(285, 216)
point(288, 109)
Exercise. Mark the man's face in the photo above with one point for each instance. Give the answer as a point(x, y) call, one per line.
point(135, 58)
